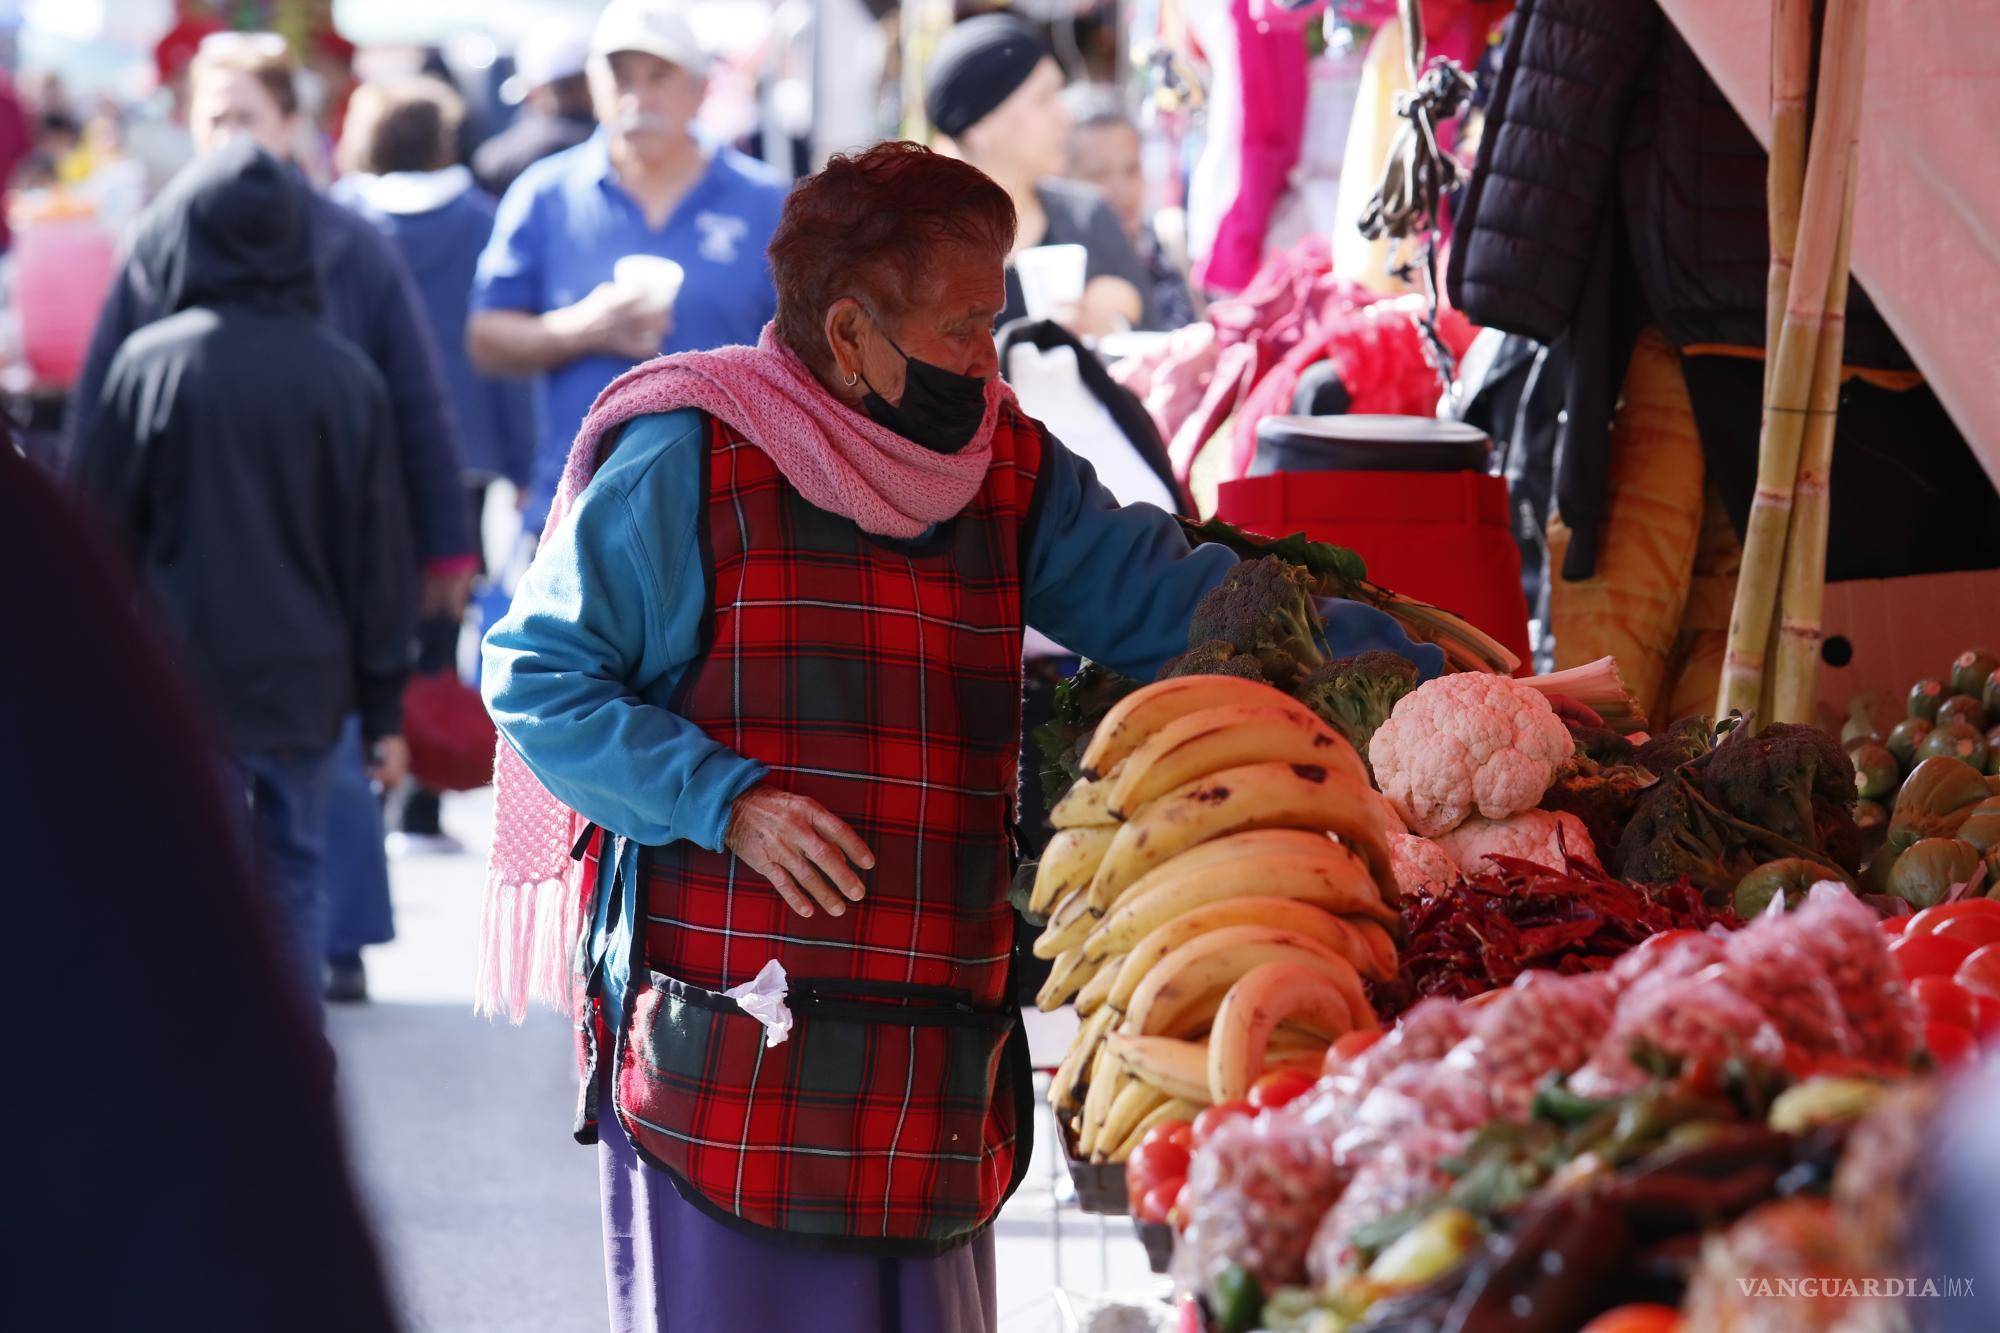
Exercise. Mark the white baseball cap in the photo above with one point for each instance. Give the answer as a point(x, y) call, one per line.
point(555, 48)
point(654, 27)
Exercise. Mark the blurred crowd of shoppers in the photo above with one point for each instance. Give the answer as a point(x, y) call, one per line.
point(299, 396)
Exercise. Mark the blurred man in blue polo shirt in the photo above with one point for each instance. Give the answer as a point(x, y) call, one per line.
point(545, 302)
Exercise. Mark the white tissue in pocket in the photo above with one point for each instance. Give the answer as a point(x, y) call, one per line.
point(763, 998)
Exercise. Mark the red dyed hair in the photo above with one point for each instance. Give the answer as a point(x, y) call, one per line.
point(870, 226)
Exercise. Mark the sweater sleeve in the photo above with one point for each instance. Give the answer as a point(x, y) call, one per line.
point(606, 622)
point(400, 345)
point(384, 614)
point(1115, 584)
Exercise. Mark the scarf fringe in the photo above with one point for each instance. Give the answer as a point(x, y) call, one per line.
point(527, 938)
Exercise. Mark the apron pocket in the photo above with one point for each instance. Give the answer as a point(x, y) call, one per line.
point(887, 1120)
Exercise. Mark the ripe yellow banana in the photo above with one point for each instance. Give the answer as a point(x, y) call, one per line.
point(1273, 993)
point(1304, 918)
point(1172, 1109)
point(1085, 804)
point(1068, 862)
point(1065, 1085)
point(1217, 738)
point(1091, 998)
point(1135, 1101)
point(1108, 1077)
point(1068, 924)
point(1177, 1068)
point(1272, 863)
point(1144, 711)
point(1379, 943)
point(1168, 999)
point(1235, 800)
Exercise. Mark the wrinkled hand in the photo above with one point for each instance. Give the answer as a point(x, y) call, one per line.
point(388, 762)
point(446, 593)
point(800, 846)
point(618, 322)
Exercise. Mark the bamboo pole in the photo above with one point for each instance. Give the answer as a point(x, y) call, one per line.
point(1837, 110)
point(1794, 677)
point(1785, 178)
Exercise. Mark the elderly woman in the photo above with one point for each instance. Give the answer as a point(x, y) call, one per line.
point(773, 648)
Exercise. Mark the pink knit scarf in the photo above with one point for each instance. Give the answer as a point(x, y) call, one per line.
point(840, 461)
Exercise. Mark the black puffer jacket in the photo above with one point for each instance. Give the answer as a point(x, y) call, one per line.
point(1617, 187)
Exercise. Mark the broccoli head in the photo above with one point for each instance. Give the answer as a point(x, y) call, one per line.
point(1788, 778)
point(1080, 704)
point(1214, 658)
point(1264, 608)
point(1689, 738)
point(1670, 837)
point(1356, 694)
point(1603, 796)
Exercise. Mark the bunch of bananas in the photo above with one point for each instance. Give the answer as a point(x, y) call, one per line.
point(1217, 888)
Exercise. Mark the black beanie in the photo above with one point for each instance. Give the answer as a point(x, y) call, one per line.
point(978, 66)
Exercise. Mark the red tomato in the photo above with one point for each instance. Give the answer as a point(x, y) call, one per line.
point(1278, 1088)
point(1178, 1214)
point(1216, 1116)
point(1928, 955)
point(1987, 1010)
point(1154, 1205)
point(1152, 1162)
point(1893, 926)
point(1980, 972)
point(1975, 928)
point(1942, 1000)
point(1949, 1044)
point(1636, 1319)
point(1927, 921)
point(1171, 1131)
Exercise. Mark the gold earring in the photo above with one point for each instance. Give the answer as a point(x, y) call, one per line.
point(849, 381)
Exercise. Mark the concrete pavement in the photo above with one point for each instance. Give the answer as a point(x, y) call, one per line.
point(487, 1210)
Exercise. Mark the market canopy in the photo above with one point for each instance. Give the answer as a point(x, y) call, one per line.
point(1927, 205)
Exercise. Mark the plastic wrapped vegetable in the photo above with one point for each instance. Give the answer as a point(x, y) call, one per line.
point(1541, 1022)
point(1699, 1022)
point(1256, 1193)
point(1790, 1239)
point(1771, 964)
point(1422, 1035)
point(1472, 742)
point(1404, 1171)
point(1676, 953)
point(1545, 837)
point(1845, 935)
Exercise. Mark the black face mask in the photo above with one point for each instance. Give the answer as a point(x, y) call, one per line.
point(941, 409)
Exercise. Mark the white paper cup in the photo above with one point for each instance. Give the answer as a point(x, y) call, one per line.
point(1051, 277)
point(653, 279)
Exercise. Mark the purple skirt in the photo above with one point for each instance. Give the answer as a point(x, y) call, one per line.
point(672, 1269)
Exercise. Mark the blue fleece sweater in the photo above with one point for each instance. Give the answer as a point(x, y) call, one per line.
point(579, 672)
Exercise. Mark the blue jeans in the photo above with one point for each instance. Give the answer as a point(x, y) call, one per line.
point(285, 812)
point(355, 870)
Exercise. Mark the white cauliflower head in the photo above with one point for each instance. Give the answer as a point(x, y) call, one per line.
point(1467, 742)
point(1419, 863)
point(1541, 836)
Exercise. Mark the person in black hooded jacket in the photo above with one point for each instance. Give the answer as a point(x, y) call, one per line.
point(243, 454)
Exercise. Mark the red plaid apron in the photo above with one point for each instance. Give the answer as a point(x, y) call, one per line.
point(883, 680)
